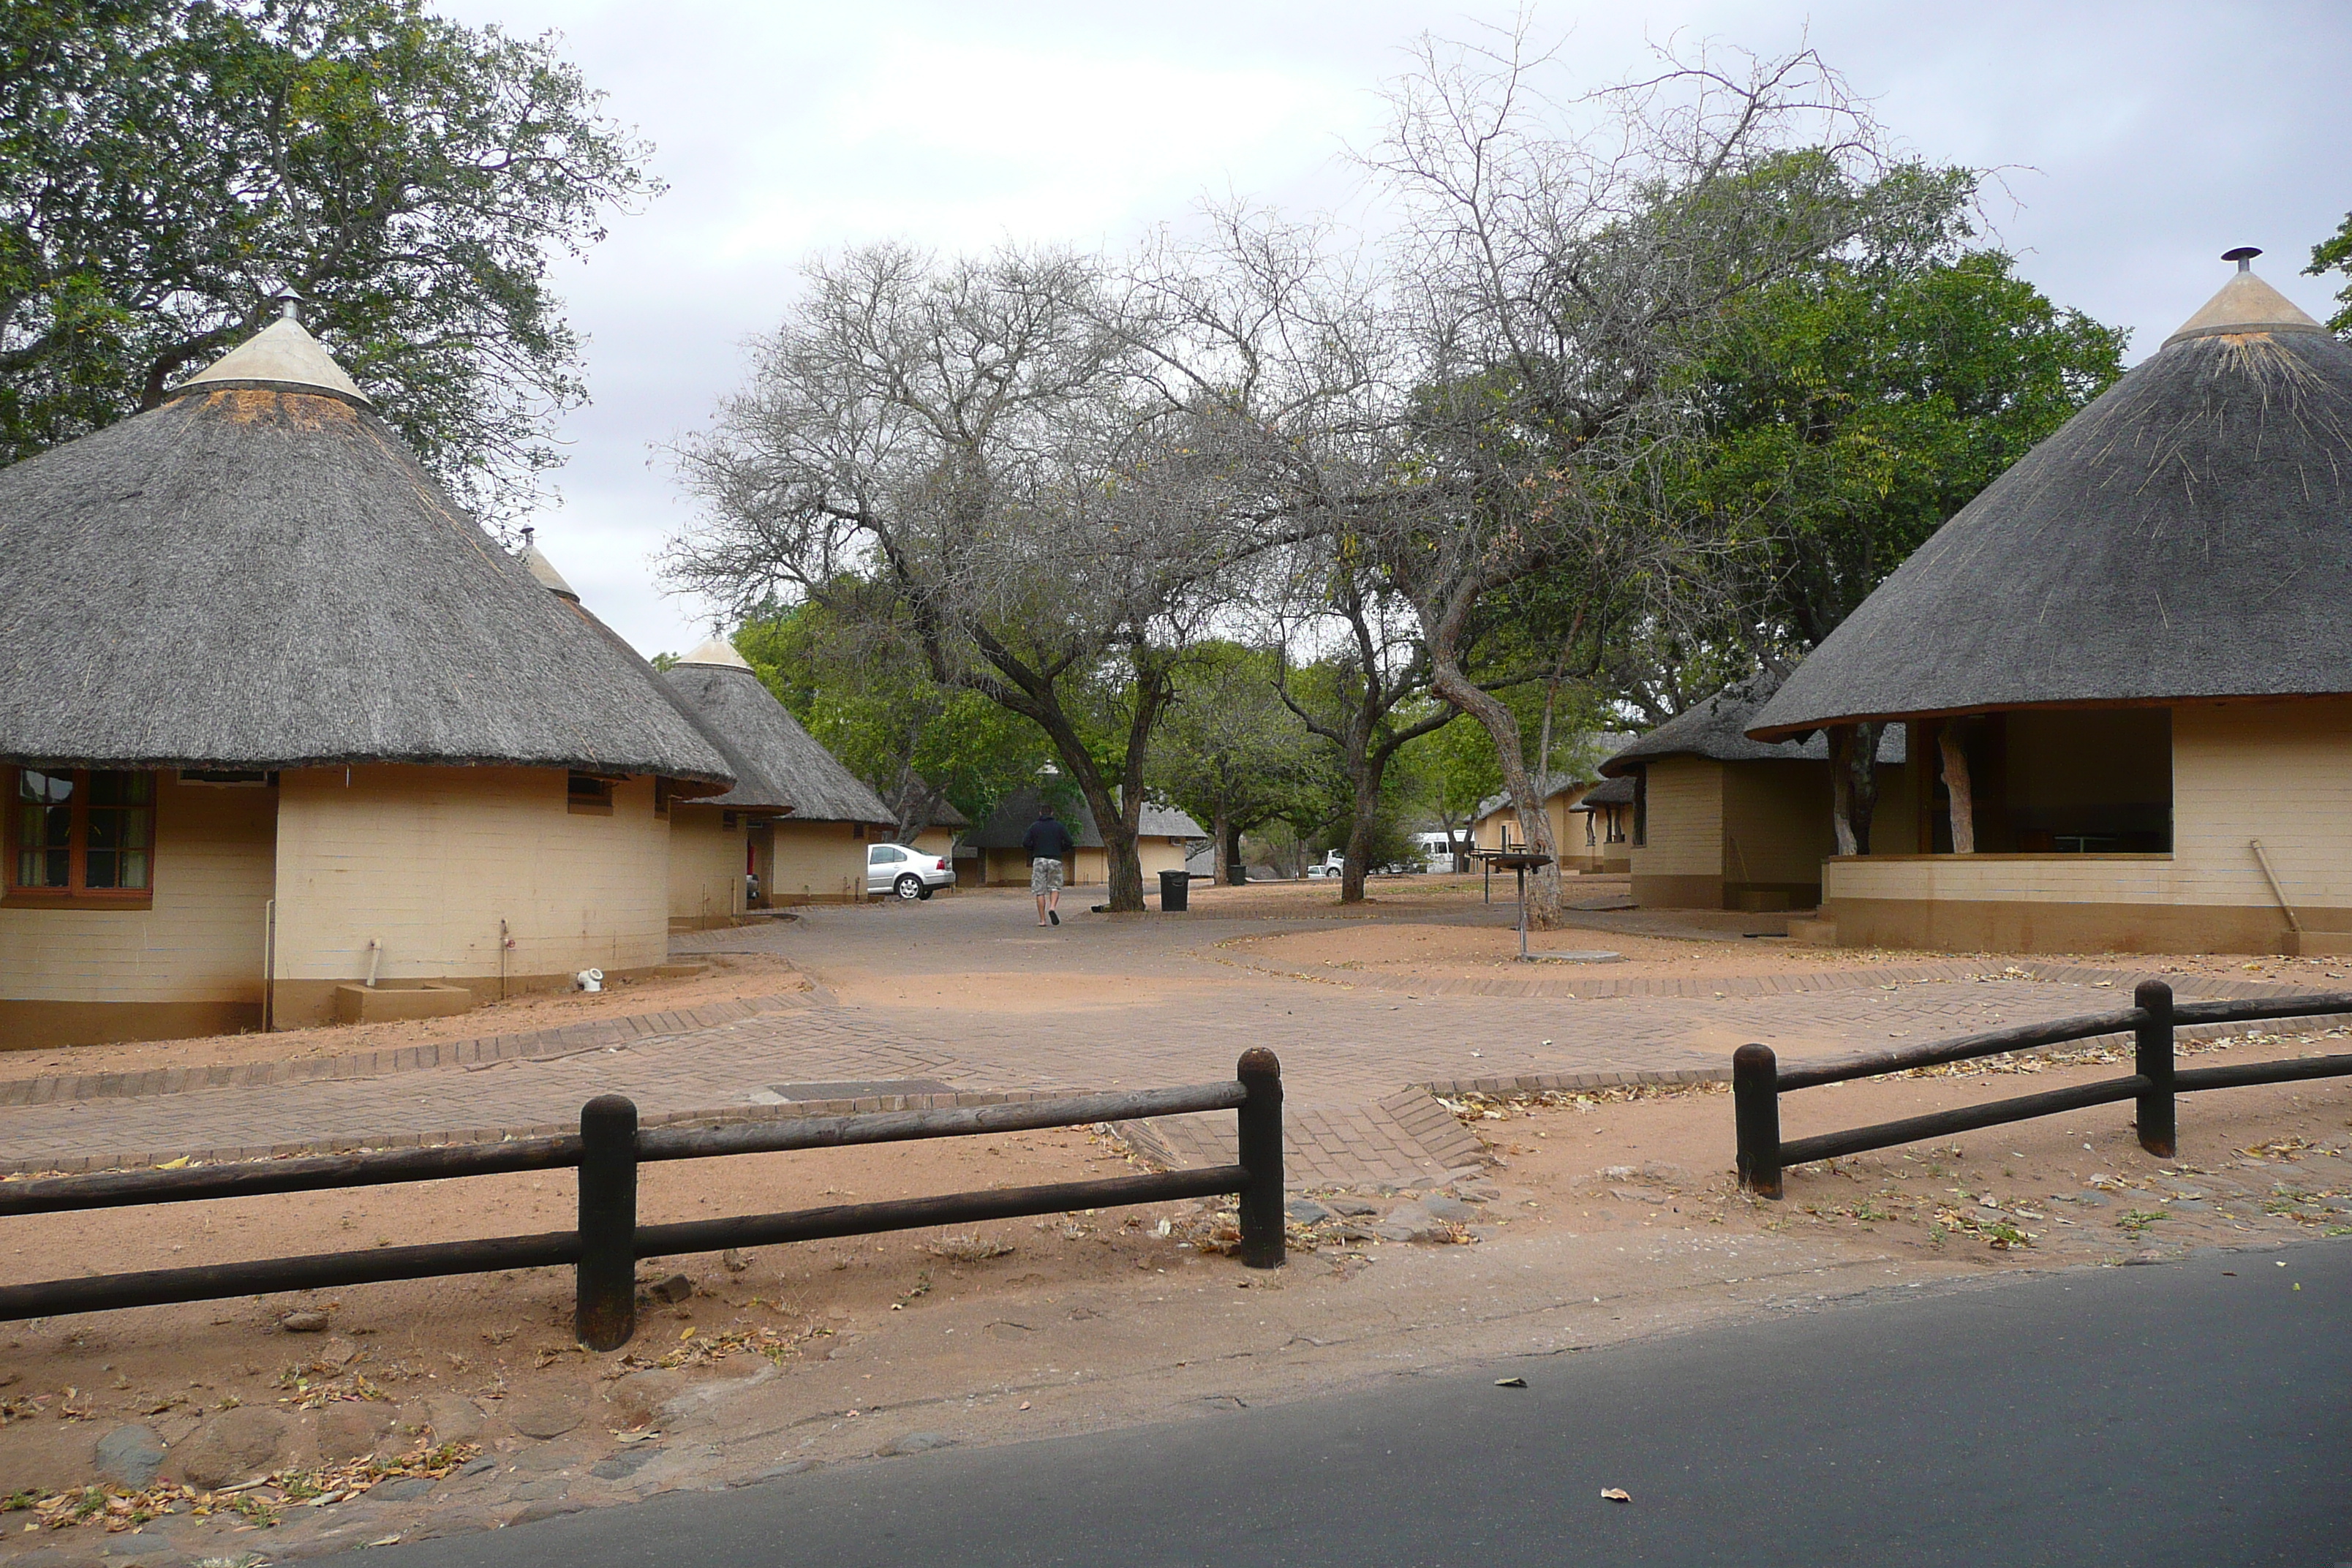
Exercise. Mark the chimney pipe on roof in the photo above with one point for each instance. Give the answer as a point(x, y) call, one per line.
point(2244, 256)
point(289, 303)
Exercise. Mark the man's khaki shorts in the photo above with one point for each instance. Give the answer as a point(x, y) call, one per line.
point(1044, 876)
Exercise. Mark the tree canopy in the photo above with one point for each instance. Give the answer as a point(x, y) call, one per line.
point(167, 166)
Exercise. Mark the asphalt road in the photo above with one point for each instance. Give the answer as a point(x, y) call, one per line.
point(2196, 1413)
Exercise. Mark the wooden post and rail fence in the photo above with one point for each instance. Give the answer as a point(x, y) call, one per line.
point(605, 1249)
point(1758, 1082)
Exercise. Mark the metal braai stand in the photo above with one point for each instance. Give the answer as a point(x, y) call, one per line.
point(1520, 861)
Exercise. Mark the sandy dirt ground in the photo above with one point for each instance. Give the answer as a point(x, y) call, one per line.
point(446, 1406)
point(729, 977)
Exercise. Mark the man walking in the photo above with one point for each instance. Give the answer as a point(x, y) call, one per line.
point(1049, 844)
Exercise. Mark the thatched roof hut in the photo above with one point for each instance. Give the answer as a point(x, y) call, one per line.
point(1014, 814)
point(1717, 729)
point(258, 574)
point(778, 766)
point(2124, 668)
point(2188, 535)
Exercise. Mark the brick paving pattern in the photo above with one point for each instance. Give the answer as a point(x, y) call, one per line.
point(1360, 1059)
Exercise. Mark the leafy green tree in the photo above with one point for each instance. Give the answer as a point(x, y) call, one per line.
point(867, 697)
point(167, 166)
point(2333, 254)
point(1229, 753)
point(1853, 410)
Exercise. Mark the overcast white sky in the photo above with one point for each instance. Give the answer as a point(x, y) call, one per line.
point(2140, 142)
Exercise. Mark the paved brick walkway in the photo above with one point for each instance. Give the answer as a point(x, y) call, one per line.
point(1351, 1054)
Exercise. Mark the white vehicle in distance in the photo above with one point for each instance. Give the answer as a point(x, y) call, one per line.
point(893, 868)
point(1334, 863)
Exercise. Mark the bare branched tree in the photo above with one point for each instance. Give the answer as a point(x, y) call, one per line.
point(1560, 261)
point(977, 439)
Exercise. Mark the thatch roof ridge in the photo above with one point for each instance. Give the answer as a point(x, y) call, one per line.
point(1618, 791)
point(245, 578)
point(1014, 814)
point(2186, 536)
point(1717, 729)
point(780, 766)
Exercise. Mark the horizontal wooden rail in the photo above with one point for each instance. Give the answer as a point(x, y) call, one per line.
point(1757, 1083)
point(329, 1270)
point(607, 1151)
point(318, 1272)
point(1944, 1123)
point(913, 1214)
point(255, 1178)
point(956, 1121)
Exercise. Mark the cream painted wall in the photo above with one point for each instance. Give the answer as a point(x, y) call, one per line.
point(429, 860)
point(1488, 831)
point(2279, 772)
point(1087, 867)
point(818, 861)
point(1775, 821)
point(201, 939)
point(939, 841)
point(1683, 819)
point(706, 862)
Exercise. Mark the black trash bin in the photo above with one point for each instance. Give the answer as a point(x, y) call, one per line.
point(1175, 892)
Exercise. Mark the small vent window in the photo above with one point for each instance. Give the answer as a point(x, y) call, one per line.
point(589, 794)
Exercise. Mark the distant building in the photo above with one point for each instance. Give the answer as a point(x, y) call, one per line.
point(1164, 837)
point(1723, 822)
point(2126, 670)
point(280, 719)
point(1496, 823)
point(795, 827)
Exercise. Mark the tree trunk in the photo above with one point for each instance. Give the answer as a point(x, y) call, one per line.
point(1220, 822)
point(1535, 823)
point(1230, 846)
point(1862, 761)
point(1842, 787)
point(1360, 847)
point(1853, 784)
point(1955, 780)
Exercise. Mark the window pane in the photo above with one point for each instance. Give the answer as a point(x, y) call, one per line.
point(122, 826)
point(121, 788)
point(43, 829)
point(50, 789)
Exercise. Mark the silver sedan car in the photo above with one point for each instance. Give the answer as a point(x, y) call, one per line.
point(908, 874)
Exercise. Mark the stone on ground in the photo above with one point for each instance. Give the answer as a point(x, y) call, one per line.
point(235, 1445)
point(130, 1455)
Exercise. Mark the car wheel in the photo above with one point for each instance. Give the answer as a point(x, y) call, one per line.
point(927, 892)
point(909, 886)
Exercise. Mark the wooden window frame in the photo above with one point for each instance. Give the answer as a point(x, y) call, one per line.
point(580, 804)
point(73, 895)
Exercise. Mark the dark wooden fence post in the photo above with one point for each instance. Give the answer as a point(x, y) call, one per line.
point(604, 1283)
point(2152, 1045)
point(1756, 1113)
point(1261, 1155)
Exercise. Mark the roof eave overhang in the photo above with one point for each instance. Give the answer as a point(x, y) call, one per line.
point(1798, 731)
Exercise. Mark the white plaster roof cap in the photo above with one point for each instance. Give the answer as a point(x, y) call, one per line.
point(2245, 304)
point(285, 353)
point(720, 651)
point(541, 567)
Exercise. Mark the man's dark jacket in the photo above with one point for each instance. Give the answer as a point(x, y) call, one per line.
point(1047, 839)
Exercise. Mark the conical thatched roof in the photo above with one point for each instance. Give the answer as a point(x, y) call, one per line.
point(1717, 729)
point(257, 574)
point(778, 766)
point(1015, 812)
point(2188, 535)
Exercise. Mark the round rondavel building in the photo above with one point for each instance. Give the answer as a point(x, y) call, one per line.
point(2128, 669)
point(285, 734)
